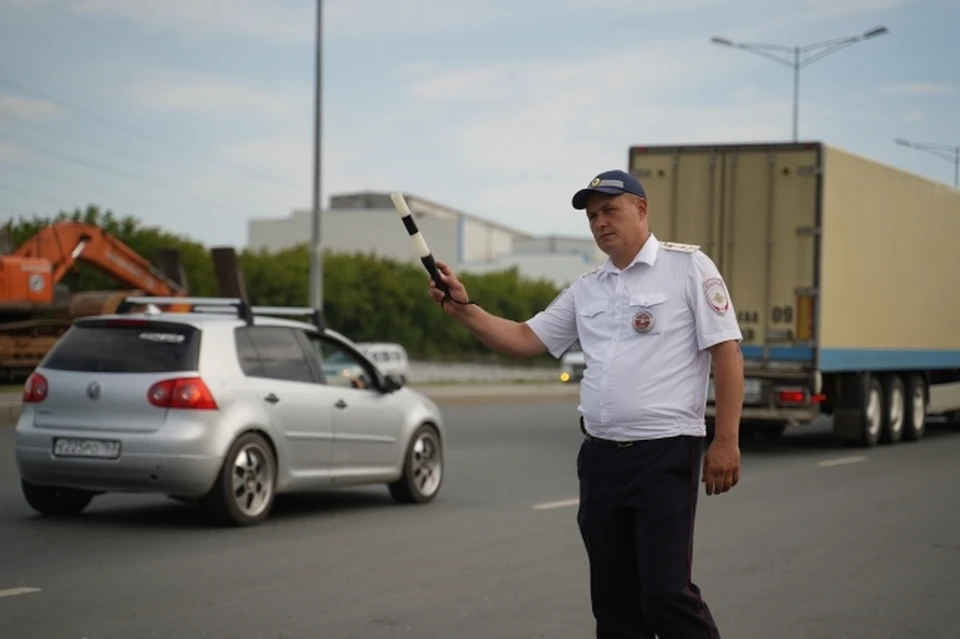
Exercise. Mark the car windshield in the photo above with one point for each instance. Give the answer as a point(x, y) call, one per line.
point(126, 346)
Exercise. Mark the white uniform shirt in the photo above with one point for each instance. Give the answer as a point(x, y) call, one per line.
point(644, 331)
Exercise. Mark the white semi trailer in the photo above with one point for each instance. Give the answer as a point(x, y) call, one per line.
point(844, 273)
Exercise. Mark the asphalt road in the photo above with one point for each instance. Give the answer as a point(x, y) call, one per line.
point(817, 541)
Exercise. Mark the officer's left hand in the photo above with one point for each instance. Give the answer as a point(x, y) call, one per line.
point(721, 466)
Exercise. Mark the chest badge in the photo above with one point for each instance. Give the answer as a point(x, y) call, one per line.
point(643, 321)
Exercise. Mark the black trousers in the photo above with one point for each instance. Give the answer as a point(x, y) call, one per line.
point(637, 510)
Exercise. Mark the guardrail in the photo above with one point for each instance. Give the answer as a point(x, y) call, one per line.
point(441, 373)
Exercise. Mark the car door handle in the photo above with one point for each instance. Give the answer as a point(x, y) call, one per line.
point(341, 404)
point(273, 399)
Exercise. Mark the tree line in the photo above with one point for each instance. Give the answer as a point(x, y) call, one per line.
point(365, 297)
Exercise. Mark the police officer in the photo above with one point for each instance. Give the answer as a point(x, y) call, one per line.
point(650, 320)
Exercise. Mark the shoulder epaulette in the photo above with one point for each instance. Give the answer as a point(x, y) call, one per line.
point(595, 269)
point(682, 248)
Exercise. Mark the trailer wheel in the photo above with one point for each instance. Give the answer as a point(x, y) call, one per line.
point(872, 414)
point(915, 413)
point(894, 409)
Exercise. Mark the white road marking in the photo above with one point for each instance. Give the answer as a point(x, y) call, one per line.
point(13, 592)
point(566, 503)
point(841, 461)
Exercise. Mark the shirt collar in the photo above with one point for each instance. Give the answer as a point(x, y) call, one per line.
point(647, 254)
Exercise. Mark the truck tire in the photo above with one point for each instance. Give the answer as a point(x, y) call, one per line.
point(872, 413)
point(915, 409)
point(894, 409)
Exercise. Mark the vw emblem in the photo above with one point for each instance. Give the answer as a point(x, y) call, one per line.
point(93, 390)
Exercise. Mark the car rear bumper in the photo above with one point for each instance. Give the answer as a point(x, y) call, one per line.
point(182, 476)
point(184, 462)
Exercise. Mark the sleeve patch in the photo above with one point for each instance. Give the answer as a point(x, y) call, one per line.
point(683, 248)
point(716, 294)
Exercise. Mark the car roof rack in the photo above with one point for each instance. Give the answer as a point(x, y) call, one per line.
point(243, 310)
point(316, 317)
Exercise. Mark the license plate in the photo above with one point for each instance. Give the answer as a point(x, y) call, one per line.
point(752, 391)
point(93, 448)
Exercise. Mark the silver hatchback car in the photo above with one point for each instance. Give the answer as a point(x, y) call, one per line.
point(225, 405)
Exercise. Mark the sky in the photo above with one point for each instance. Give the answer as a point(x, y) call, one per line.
point(197, 115)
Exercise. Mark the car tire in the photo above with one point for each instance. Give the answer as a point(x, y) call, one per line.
point(244, 492)
point(56, 501)
point(422, 468)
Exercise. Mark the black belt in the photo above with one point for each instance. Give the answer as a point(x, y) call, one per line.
point(597, 440)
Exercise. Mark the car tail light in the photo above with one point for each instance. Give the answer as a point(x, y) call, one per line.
point(185, 392)
point(35, 389)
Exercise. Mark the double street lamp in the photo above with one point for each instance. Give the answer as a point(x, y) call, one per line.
point(798, 57)
point(943, 151)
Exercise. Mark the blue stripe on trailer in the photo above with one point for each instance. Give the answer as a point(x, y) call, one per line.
point(854, 359)
point(783, 353)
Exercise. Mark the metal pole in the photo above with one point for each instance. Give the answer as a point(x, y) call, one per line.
point(316, 246)
point(956, 167)
point(796, 93)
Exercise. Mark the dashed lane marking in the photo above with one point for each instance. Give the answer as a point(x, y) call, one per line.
point(841, 461)
point(14, 592)
point(549, 505)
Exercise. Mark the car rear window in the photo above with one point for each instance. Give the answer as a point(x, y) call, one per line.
point(126, 346)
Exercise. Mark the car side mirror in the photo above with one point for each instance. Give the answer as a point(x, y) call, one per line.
point(393, 383)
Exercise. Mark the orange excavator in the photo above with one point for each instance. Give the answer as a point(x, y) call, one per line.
point(36, 307)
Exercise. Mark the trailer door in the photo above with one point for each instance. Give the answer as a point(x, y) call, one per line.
point(754, 211)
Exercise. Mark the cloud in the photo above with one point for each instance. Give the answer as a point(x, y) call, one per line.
point(815, 10)
point(293, 21)
point(536, 130)
point(14, 153)
point(911, 116)
point(744, 93)
point(526, 117)
point(509, 141)
point(918, 88)
point(480, 84)
point(22, 108)
point(190, 93)
point(271, 20)
point(760, 21)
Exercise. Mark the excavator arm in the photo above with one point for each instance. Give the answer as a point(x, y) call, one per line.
point(65, 243)
point(33, 315)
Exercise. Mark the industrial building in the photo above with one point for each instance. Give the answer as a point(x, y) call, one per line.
point(367, 222)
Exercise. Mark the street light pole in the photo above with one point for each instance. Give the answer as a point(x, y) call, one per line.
point(316, 247)
point(942, 151)
point(798, 57)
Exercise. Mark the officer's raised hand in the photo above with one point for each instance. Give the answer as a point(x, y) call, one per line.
point(458, 293)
